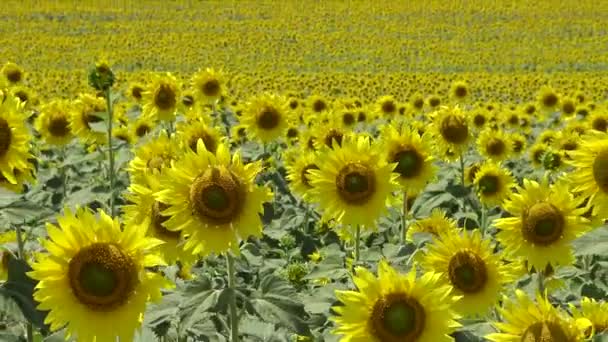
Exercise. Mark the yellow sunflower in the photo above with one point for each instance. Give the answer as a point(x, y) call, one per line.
point(6, 253)
point(494, 145)
point(353, 184)
point(537, 153)
point(467, 262)
point(525, 320)
point(411, 154)
point(161, 97)
point(518, 143)
point(568, 108)
point(208, 85)
point(598, 121)
point(88, 110)
point(53, 123)
point(329, 134)
point(12, 73)
point(317, 104)
point(438, 222)
point(459, 91)
point(590, 174)
point(122, 133)
point(594, 312)
point(95, 276)
point(387, 107)
point(14, 137)
point(190, 133)
point(298, 166)
point(493, 183)
point(266, 117)
point(548, 99)
point(20, 177)
point(154, 154)
point(395, 307)
point(142, 125)
point(546, 220)
point(452, 130)
point(213, 199)
point(136, 91)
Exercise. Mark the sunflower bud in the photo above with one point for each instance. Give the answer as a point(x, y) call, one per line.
point(101, 77)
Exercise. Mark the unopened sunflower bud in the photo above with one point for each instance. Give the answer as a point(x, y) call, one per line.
point(101, 77)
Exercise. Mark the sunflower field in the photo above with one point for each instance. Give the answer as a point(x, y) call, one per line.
point(313, 171)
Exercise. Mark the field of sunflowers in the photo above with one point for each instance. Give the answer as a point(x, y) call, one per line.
point(314, 171)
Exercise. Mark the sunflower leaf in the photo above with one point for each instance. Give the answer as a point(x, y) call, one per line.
point(592, 243)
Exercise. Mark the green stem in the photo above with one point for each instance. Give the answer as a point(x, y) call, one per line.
point(357, 243)
point(462, 170)
point(404, 219)
point(110, 150)
point(64, 175)
point(20, 246)
point(234, 319)
point(484, 218)
point(541, 281)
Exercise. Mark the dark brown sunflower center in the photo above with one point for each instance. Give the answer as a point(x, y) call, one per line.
point(157, 220)
point(14, 75)
point(495, 147)
point(304, 174)
point(348, 119)
point(543, 224)
point(268, 118)
point(538, 155)
point(418, 103)
point(6, 136)
point(165, 97)
point(461, 91)
point(550, 100)
point(570, 145)
point(600, 170)
point(319, 106)
point(489, 184)
point(513, 119)
point(217, 195)
point(434, 102)
point(600, 124)
point(388, 107)
point(356, 183)
point(361, 117)
point(473, 172)
point(208, 141)
point(545, 332)
point(211, 88)
point(102, 276)
point(409, 162)
point(479, 120)
point(22, 95)
point(396, 318)
point(142, 130)
point(568, 108)
point(292, 132)
point(333, 136)
point(136, 92)
point(188, 100)
point(530, 110)
point(59, 126)
point(454, 129)
point(293, 104)
point(518, 145)
point(467, 272)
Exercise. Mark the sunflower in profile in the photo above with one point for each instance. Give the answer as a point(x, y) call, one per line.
point(411, 153)
point(161, 98)
point(53, 123)
point(494, 145)
point(594, 312)
point(190, 133)
point(14, 138)
point(298, 165)
point(590, 174)
point(208, 85)
point(213, 199)
point(395, 307)
point(96, 275)
point(387, 107)
point(452, 130)
point(353, 183)
point(493, 183)
point(467, 262)
point(86, 111)
point(470, 172)
point(12, 73)
point(546, 219)
point(266, 117)
point(525, 320)
point(459, 91)
point(153, 155)
point(438, 222)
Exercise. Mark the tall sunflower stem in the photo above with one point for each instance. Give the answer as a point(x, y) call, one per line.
point(357, 243)
point(484, 219)
point(20, 247)
point(541, 281)
point(110, 150)
point(462, 171)
point(404, 219)
point(234, 319)
point(64, 174)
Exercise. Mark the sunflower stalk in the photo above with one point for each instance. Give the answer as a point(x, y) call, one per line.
point(404, 219)
point(110, 150)
point(20, 247)
point(63, 174)
point(541, 281)
point(234, 319)
point(357, 243)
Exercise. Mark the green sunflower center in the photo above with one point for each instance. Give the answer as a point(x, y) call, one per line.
point(211, 88)
point(409, 162)
point(600, 170)
point(102, 276)
point(467, 272)
point(495, 147)
point(397, 317)
point(217, 195)
point(356, 183)
point(543, 224)
point(6, 136)
point(489, 184)
point(304, 174)
point(165, 97)
point(268, 118)
point(158, 219)
point(59, 126)
point(544, 332)
point(454, 130)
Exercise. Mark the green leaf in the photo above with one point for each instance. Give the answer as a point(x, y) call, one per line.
point(592, 243)
point(25, 211)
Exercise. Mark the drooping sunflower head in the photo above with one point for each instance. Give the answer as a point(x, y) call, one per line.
point(53, 123)
point(153, 156)
point(524, 320)
point(88, 110)
point(452, 130)
point(467, 262)
point(493, 183)
point(161, 97)
point(395, 307)
point(353, 183)
point(387, 106)
point(208, 85)
point(190, 133)
point(594, 312)
point(12, 73)
point(411, 154)
point(545, 220)
point(96, 272)
point(459, 91)
point(266, 117)
point(14, 137)
point(437, 222)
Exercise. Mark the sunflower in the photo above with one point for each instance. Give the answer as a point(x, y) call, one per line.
point(14, 137)
point(298, 165)
point(87, 110)
point(146, 211)
point(518, 143)
point(493, 183)
point(329, 135)
point(20, 177)
point(470, 172)
point(411, 154)
point(123, 134)
point(395, 307)
point(96, 276)
point(480, 118)
point(25, 95)
point(547, 99)
point(594, 312)
point(417, 102)
point(266, 117)
point(452, 130)
point(568, 108)
point(161, 97)
point(467, 262)
point(154, 154)
point(142, 125)
point(53, 123)
point(353, 183)
point(459, 91)
point(213, 199)
point(208, 85)
point(590, 174)
point(438, 222)
point(12, 73)
point(387, 107)
point(537, 153)
point(6, 253)
point(598, 121)
point(317, 104)
point(547, 137)
point(546, 220)
point(494, 144)
point(433, 101)
point(529, 321)
point(136, 91)
point(190, 133)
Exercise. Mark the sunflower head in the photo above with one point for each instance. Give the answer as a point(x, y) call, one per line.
point(208, 85)
point(161, 97)
point(459, 91)
point(190, 133)
point(266, 117)
point(53, 123)
point(12, 73)
point(452, 129)
point(387, 106)
point(14, 138)
point(318, 104)
point(437, 222)
point(494, 144)
point(298, 167)
point(493, 183)
point(548, 98)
